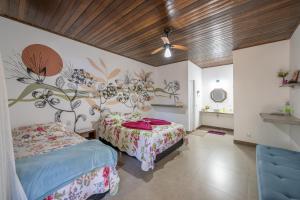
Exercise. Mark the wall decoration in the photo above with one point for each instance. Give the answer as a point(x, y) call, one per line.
point(218, 95)
point(72, 85)
point(42, 60)
point(169, 90)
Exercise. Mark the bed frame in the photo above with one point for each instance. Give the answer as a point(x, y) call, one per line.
point(97, 196)
point(158, 156)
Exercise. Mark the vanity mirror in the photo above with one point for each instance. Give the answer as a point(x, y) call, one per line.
point(218, 95)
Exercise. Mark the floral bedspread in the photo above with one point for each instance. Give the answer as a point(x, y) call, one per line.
point(42, 138)
point(142, 144)
point(97, 181)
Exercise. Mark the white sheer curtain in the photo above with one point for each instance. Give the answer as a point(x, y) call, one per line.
point(10, 186)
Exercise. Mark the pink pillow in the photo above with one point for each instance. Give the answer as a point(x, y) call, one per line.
point(141, 125)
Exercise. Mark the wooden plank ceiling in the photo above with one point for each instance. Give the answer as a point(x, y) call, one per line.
point(132, 28)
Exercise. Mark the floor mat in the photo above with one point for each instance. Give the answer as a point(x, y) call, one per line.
point(216, 132)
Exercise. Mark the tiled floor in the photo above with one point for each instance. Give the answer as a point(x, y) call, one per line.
point(211, 167)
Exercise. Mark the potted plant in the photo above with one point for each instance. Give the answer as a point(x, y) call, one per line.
point(282, 74)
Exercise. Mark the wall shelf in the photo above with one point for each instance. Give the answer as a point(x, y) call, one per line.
point(280, 119)
point(292, 85)
point(168, 105)
point(214, 112)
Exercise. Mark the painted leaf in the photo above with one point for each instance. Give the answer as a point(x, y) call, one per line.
point(95, 65)
point(98, 79)
point(88, 89)
point(37, 94)
point(81, 116)
point(91, 102)
point(76, 104)
point(102, 63)
point(54, 101)
point(40, 104)
point(114, 73)
point(57, 116)
point(25, 80)
point(34, 86)
point(91, 111)
point(60, 82)
point(72, 86)
point(112, 102)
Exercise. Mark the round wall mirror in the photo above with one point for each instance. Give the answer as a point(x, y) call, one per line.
point(218, 95)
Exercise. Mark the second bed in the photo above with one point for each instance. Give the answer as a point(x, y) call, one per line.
point(145, 145)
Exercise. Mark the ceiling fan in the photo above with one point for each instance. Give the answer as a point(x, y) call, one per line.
point(167, 45)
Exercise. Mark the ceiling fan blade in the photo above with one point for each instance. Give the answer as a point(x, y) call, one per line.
point(157, 50)
point(180, 47)
point(165, 40)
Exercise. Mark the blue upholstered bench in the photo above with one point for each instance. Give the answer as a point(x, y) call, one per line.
point(278, 173)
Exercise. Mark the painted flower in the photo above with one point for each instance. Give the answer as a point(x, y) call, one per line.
point(43, 97)
point(79, 77)
point(40, 129)
point(50, 197)
point(106, 171)
point(106, 182)
point(123, 97)
point(109, 92)
point(42, 60)
point(51, 138)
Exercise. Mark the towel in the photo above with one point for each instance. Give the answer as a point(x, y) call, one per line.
point(153, 121)
point(141, 125)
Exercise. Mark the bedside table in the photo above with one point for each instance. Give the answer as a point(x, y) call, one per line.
point(87, 133)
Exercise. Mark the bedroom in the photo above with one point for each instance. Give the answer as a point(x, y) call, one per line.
point(136, 78)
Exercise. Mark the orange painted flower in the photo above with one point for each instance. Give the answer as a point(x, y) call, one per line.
point(42, 60)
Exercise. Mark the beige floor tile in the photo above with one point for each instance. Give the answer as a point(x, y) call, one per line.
point(211, 167)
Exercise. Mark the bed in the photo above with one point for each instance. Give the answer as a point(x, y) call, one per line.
point(147, 146)
point(37, 141)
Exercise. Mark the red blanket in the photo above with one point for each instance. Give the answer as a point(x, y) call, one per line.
point(141, 125)
point(153, 121)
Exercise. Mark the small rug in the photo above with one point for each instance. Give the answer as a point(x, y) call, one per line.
point(216, 132)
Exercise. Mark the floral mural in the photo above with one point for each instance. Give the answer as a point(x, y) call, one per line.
point(73, 85)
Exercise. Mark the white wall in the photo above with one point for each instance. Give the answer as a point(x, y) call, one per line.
point(176, 71)
point(16, 36)
point(225, 76)
point(194, 77)
point(295, 92)
point(256, 90)
point(210, 76)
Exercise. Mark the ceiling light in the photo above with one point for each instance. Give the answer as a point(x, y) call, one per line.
point(168, 53)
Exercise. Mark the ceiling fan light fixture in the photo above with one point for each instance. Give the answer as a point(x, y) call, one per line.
point(168, 53)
